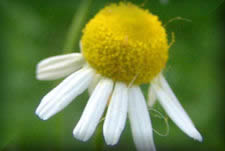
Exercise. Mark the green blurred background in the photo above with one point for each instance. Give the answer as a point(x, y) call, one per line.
point(34, 30)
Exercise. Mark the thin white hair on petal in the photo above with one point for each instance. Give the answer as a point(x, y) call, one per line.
point(160, 116)
point(174, 109)
point(132, 81)
point(177, 18)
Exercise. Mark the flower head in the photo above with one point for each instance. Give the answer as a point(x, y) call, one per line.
point(124, 41)
point(123, 46)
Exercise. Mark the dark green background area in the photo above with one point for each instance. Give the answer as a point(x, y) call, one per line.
point(34, 30)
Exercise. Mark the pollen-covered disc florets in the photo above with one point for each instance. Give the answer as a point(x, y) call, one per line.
point(125, 43)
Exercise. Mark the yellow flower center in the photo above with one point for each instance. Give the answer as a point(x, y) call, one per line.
point(125, 43)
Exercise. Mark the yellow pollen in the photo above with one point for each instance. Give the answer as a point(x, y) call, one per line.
point(125, 43)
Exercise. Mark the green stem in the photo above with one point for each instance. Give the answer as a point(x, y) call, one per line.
point(99, 142)
point(72, 41)
point(79, 19)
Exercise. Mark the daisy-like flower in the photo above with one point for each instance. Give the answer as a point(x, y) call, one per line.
point(122, 47)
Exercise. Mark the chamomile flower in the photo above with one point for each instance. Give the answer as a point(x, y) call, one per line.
point(122, 47)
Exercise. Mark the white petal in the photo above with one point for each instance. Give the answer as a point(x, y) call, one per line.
point(93, 84)
point(64, 93)
point(140, 120)
point(59, 66)
point(173, 108)
point(116, 115)
point(93, 110)
point(151, 97)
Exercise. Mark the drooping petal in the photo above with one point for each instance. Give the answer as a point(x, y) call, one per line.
point(59, 66)
point(140, 120)
point(173, 108)
point(93, 83)
point(93, 110)
point(151, 97)
point(116, 115)
point(64, 93)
